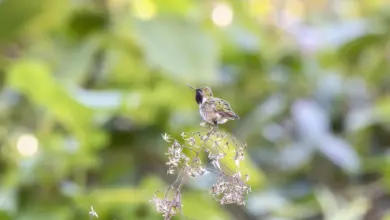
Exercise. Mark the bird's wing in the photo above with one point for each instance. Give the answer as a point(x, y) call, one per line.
point(222, 107)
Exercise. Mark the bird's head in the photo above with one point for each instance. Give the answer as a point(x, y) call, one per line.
point(202, 93)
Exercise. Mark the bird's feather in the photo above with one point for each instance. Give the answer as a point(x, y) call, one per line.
point(223, 108)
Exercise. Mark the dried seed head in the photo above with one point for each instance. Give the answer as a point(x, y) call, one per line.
point(191, 141)
point(92, 213)
point(230, 189)
point(166, 137)
point(164, 206)
point(194, 171)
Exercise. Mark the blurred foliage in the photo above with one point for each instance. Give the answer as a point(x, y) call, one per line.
point(87, 87)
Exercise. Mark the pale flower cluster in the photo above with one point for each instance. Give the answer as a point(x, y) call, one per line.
point(184, 160)
point(195, 169)
point(165, 207)
point(230, 189)
point(175, 156)
point(239, 154)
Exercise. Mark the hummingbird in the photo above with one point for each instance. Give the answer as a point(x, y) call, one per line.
point(212, 109)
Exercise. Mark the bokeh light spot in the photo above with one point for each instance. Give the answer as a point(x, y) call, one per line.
point(27, 145)
point(144, 9)
point(222, 15)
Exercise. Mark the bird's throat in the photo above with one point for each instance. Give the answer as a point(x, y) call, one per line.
point(204, 99)
point(199, 97)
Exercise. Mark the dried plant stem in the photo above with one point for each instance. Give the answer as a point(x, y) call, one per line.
point(176, 199)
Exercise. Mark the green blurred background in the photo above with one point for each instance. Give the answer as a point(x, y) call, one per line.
point(88, 86)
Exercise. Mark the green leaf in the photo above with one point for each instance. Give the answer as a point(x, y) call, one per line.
point(193, 202)
point(44, 212)
point(33, 79)
point(8, 200)
point(76, 61)
point(85, 22)
point(15, 14)
point(19, 15)
point(352, 51)
point(4, 216)
point(179, 7)
point(381, 109)
point(181, 49)
point(246, 167)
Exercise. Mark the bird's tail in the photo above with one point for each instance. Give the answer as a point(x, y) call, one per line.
point(229, 115)
point(234, 116)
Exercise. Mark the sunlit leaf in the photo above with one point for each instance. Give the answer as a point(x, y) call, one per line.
point(76, 62)
point(179, 7)
point(144, 9)
point(381, 110)
point(194, 201)
point(183, 50)
point(33, 79)
point(247, 167)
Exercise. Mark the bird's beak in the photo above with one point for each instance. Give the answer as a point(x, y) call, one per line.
point(191, 87)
